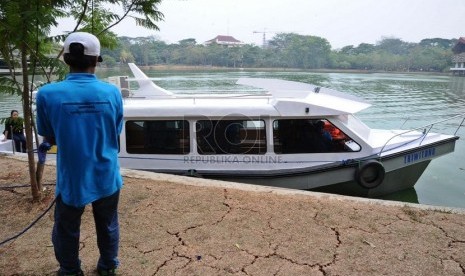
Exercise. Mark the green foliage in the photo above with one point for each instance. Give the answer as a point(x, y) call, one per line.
point(394, 46)
point(9, 86)
point(290, 50)
point(438, 42)
point(36, 17)
point(187, 42)
point(109, 61)
point(365, 48)
point(285, 50)
point(299, 51)
point(25, 43)
point(147, 8)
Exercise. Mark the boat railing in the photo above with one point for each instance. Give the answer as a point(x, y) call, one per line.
point(409, 118)
point(459, 126)
point(426, 129)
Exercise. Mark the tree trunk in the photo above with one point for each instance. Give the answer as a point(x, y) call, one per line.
point(36, 193)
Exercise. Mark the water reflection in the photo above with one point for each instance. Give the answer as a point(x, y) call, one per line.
point(456, 86)
point(408, 195)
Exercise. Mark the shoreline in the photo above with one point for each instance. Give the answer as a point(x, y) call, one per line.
point(179, 68)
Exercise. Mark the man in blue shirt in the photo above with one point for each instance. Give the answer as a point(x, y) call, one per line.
point(83, 116)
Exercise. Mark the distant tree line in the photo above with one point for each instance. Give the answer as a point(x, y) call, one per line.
point(288, 50)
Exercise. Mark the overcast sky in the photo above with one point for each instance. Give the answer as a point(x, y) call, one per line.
point(340, 22)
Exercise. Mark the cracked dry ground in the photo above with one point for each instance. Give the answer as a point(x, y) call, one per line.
point(169, 228)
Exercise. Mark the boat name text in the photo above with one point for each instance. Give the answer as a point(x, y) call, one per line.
point(419, 155)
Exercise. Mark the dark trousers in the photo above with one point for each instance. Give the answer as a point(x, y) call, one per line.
point(20, 142)
point(66, 232)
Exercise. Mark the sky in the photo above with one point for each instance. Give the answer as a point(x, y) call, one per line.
point(341, 22)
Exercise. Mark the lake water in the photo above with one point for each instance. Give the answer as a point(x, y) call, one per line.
point(398, 101)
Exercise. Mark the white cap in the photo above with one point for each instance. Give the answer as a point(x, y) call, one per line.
point(89, 41)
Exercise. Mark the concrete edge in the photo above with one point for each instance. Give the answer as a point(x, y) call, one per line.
point(202, 182)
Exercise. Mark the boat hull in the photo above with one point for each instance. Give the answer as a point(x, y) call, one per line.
point(401, 171)
point(394, 181)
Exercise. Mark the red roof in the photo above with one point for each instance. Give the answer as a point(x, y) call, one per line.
point(224, 38)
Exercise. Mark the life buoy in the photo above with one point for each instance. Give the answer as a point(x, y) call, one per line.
point(370, 174)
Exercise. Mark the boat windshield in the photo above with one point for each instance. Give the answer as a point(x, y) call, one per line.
point(354, 124)
point(310, 136)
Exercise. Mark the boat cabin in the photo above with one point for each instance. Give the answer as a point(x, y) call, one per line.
point(243, 136)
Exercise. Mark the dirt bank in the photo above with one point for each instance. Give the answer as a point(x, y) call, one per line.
point(186, 226)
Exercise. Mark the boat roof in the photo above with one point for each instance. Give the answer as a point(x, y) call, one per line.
point(280, 98)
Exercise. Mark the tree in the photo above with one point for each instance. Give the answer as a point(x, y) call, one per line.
point(438, 42)
point(301, 51)
point(24, 31)
point(109, 61)
point(293, 51)
point(126, 56)
point(252, 56)
point(430, 58)
point(365, 48)
point(23, 25)
point(394, 46)
point(348, 50)
point(187, 42)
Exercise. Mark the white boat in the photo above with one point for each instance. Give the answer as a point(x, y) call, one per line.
point(272, 139)
point(293, 135)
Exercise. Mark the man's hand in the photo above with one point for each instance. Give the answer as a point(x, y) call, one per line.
point(42, 152)
point(45, 146)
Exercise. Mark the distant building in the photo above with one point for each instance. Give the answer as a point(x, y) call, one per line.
point(459, 57)
point(225, 40)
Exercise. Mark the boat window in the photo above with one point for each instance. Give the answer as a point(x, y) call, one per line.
point(158, 137)
point(310, 136)
point(231, 137)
